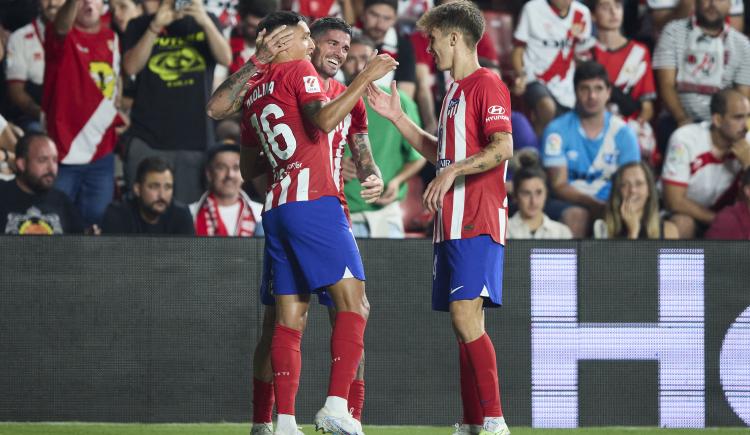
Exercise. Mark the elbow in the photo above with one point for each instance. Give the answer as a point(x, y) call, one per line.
point(213, 112)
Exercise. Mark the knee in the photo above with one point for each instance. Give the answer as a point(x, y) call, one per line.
point(293, 320)
point(468, 327)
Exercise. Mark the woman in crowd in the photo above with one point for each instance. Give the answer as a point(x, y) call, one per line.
point(530, 191)
point(632, 211)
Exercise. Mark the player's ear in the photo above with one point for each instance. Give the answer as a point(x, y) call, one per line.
point(454, 39)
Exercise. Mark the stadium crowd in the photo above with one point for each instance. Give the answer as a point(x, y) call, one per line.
point(630, 118)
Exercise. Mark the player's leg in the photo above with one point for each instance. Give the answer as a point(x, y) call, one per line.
point(263, 398)
point(356, 399)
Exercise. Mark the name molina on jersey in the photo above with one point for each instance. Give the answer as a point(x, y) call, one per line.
point(261, 91)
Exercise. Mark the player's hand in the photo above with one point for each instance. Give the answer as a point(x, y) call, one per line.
point(387, 106)
point(348, 168)
point(165, 15)
point(198, 12)
point(631, 216)
point(519, 85)
point(372, 187)
point(268, 46)
point(432, 199)
point(741, 150)
point(390, 193)
point(378, 66)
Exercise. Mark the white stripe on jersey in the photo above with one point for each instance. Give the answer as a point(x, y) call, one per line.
point(269, 200)
point(303, 184)
point(285, 182)
point(332, 157)
point(438, 235)
point(503, 224)
point(459, 185)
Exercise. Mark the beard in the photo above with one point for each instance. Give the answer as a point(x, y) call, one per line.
point(41, 184)
point(704, 22)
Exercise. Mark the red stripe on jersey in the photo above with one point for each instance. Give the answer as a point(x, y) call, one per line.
point(706, 159)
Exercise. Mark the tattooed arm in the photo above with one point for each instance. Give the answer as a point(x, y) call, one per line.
point(362, 156)
point(498, 150)
point(227, 99)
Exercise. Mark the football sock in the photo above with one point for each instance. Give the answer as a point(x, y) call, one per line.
point(473, 413)
point(262, 401)
point(357, 398)
point(347, 344)
point(286, 361)
point(482, 356)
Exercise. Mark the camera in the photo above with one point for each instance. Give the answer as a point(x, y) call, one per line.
point(181, 4)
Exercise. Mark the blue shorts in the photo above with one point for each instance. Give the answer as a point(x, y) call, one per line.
point(466, 269)
point(266, 289)
point(310, 246)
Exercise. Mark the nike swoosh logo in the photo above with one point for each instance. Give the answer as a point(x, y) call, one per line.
point(457, 289)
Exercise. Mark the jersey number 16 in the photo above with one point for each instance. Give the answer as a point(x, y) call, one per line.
point(269, 134)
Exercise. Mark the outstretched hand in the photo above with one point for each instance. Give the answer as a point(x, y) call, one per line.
point(388, 106)
point(372, 187)
point(269, 45)
point(378, 66)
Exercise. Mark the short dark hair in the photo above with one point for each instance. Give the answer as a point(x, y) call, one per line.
point(363, 39)
point(222, 148)
point(590, 70)
point(463, 16)
point(391, 3)
point(150, 165)
point(719, 100)
point(322, 25)
point(592, 4)
point(24, 144)
point(257, 8)
point(278, 19)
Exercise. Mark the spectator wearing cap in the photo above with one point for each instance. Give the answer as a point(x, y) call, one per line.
point(225, 209)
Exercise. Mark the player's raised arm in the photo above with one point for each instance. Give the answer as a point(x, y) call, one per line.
point(497, 151)
point(389, 106)
point(327, 116)
point(227, 99)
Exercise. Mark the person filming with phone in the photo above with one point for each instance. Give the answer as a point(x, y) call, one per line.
point(172, 53)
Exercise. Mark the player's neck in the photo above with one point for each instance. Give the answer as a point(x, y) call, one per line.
point(611, 39)
point(465, 63)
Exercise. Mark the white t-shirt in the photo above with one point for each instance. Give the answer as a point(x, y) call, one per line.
point(26, 54)
point(551, 42)
point(517, 229)
point(689, 162)
point(230, 214)
point(737, 8)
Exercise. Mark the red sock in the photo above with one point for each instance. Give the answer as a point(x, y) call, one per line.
point(473, 413)
point(286, 361)
point(262, 401)
point(347, 344)
point(356, 398)
point(482, 356)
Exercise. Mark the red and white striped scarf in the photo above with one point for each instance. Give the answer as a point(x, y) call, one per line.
point(208, 220)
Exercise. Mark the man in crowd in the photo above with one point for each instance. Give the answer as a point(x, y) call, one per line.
point(173, 54)
point(82, 69)
point(548, 36)
point(733, 222)
point(242, 39)
point(695, 58)
point(468, 195)
point(583, 148)
point(397, 160)
point(24, 67)
point(704, 161)
point(30, 204)
point(225, 209)
point(151, 209)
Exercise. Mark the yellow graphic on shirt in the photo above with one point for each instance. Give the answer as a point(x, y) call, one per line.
point(171, 65)
point(104, 77)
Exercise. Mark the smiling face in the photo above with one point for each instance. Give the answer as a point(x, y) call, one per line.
point(440, 49)
point(634, 187)
point(331, 49)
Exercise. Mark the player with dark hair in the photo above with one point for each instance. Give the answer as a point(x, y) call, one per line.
point(471, 152)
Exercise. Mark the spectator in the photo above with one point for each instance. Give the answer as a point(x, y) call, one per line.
point(325, 8)
point(379, 24)
point(150, 209)
point(7, 150)
point(530, 222)
point(628, 65)
point(583, 149)
point(733, 222)
point(695, 58)
point(547, 37)
point(24, 68)
point(632, 210)
point(703, 163)
point(242, 38)
point(173, 55)
point(664, 11)
point(397, 160)
point(122, 12)
point(30, 204)
point(225, 210)
point(81, 85)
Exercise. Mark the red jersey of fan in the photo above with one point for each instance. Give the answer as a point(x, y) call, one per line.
point(315, 9)
point(473, 109)
point(629, 69)
point(80, 86)
point(354, 123)
point(297, 151)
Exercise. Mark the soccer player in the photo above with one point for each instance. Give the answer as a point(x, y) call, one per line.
point(308, 240)
point(471, 151)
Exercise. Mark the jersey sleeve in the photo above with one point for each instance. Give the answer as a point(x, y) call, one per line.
point(553, 148)
point(677, 163)
point(16, 68)
point(305, 83)
point(585, 40)
point(627, 145)
point(493, 107)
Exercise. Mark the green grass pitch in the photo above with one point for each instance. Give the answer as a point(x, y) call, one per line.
point(244, 429)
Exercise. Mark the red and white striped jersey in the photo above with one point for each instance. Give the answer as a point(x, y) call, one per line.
point(297, 151)
point(473, 109)
point(354, 123)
